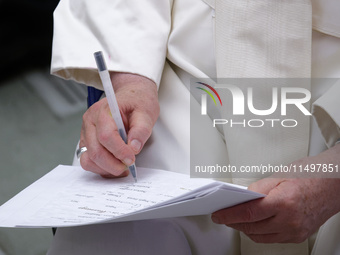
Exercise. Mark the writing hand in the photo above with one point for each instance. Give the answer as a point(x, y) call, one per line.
point(107, 154)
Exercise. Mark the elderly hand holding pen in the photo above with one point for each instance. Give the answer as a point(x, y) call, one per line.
point(107, 154)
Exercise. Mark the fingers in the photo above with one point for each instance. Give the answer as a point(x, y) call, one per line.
point(272, 229)
point(258, 219)
point(285, 215)
point(256, 210)
point(249, 212)
point(266, 232)
point(111, 142)
point(263, 227)
point(98, 158)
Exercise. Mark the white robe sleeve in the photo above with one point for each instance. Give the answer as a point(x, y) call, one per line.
point(326, 111)
point(132, 34)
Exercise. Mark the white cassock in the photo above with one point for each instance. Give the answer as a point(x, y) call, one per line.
point(171, 42)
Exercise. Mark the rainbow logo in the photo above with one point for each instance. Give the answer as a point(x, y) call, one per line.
point(209, 93)
point(204, 97)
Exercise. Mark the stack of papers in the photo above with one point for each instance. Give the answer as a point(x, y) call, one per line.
point(69, 196)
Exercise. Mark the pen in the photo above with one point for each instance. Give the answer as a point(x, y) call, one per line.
point(112, 101)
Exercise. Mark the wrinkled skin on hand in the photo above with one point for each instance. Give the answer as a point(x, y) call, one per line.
point(293, 209)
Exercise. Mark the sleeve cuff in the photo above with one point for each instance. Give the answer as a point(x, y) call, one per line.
point(131, 34)
point(326, 111)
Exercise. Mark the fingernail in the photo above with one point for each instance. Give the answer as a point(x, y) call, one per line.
point(136, 145)
point(128, 161)
point(215, 219)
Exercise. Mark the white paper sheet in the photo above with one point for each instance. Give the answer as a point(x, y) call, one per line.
point(70, 196)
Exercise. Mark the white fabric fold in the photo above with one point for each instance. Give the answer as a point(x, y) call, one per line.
point(264, 39)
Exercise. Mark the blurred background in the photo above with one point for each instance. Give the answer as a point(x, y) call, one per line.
point(40, 115)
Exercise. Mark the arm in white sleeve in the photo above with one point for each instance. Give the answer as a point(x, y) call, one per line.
point(132, 34)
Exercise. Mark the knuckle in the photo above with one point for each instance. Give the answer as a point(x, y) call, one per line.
point(118, 171)
point(85, 116)
point(93, 155)
point(104, 136)
point(85, 163)
point(145, 131)
point(120, 151)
